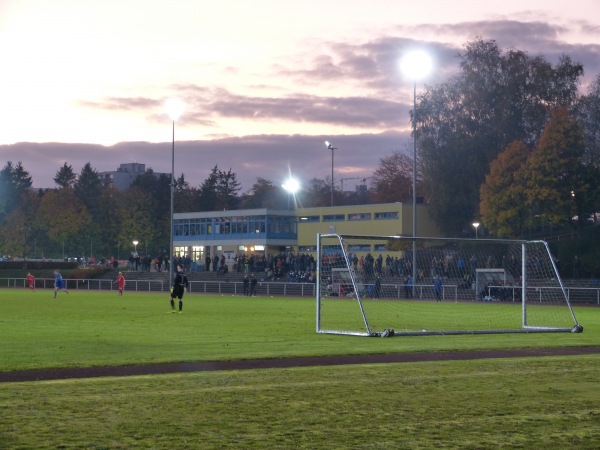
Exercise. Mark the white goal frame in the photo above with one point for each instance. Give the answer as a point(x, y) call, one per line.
point(344, 284)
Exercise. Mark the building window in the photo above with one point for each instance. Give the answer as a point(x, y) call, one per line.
point(310, 218)
point(359, 248)
point(334, 218)
point(387, 215)
point(359, 216)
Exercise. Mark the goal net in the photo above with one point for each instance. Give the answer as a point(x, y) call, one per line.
point(392, 285)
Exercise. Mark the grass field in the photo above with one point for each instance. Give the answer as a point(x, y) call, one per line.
point(550, 402)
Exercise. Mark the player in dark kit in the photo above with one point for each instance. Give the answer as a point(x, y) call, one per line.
point(180, 282)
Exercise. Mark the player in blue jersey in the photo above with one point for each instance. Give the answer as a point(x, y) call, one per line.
point(58, 283)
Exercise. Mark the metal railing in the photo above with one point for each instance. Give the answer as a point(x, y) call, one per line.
point(271, 288)
point(275, 288)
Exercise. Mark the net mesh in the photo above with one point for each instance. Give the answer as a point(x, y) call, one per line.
point(366, 286)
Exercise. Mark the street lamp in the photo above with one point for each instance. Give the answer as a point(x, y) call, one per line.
point(330, 146)
point(135, 243)
point(415, 65)
point(476, 225)
point(174, 108)
point(291, 186)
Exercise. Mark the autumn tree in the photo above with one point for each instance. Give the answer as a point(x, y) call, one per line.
point(552, 172)
point(136, 219)
point(393, 178)
point(13, 234)
point(502, 206)
point(497, 97)
point(64, 218)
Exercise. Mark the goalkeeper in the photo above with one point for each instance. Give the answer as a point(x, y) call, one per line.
point(180, 282)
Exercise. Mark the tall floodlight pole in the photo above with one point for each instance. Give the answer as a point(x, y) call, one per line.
point(415, 65)
point(174, 109)
point(332, 148)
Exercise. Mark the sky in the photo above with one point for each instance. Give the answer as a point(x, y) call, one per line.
point(264, 82)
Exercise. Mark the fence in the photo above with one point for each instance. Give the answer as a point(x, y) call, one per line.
point(273, 288)
point(205, 287)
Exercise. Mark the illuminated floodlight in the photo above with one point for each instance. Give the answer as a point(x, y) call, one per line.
point(416, 64)
point(291, 186)
point(174, 108)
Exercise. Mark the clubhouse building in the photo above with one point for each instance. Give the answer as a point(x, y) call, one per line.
point(266, 231)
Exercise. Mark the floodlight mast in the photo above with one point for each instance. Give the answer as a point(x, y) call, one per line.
point(332, 148)
point(174, 108)
point(415, 65)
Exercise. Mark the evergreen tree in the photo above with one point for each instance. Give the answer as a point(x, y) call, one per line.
point(65, 177)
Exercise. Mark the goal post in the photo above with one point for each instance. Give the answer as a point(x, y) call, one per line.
point(463, 286)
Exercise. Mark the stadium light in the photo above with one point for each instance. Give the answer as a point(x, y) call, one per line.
point(476, 225)
point(174, 108)
point(291, 186)
point(415, 65)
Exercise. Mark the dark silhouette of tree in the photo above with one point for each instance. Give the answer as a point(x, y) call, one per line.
point(462, 124)
point(15, 181)
point(65, 177)
point(264, 194)
point(393, 178)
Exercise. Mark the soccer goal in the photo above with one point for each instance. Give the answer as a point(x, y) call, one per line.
point(393, 285)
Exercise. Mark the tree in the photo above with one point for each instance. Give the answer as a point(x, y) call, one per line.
point(87, 187)
point(264, 194)
point(227, 190)
point(552, 172)
point(502, 206)
point(186, 197)
point(393, 178)
point(208, 191)
point(65, 177)
point(13, 234)
point(14, 182)
point(496, 98)
point(588, 115)
point(65, 219)
point(136, 218)
point(318, 193)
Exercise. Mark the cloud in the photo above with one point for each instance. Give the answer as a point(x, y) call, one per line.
point(272, 157)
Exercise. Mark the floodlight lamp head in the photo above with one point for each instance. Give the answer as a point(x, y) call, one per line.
point(174, 108)
point(416, 64)
point(291, 185)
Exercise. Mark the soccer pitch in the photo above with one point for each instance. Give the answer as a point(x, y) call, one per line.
point(526, 402)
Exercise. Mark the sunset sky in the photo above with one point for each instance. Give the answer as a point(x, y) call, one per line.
point(265, 82)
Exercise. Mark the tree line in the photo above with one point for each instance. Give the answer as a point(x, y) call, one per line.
point(83, 216)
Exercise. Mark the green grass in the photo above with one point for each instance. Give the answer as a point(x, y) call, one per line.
point(549, 402)
point(100, 328)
